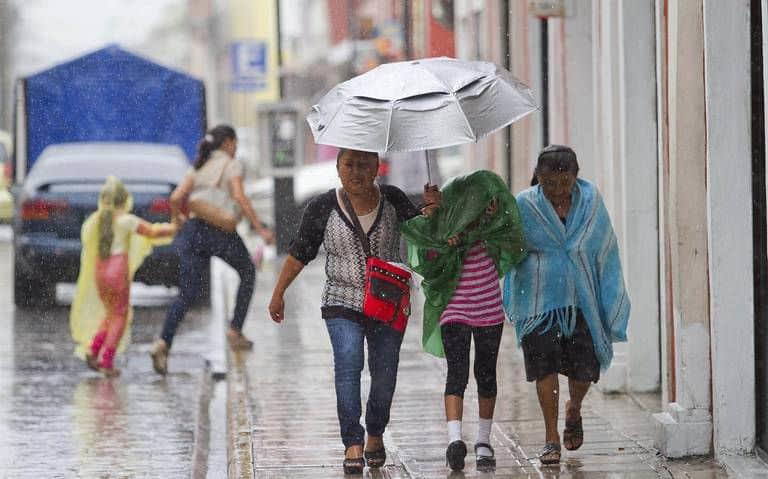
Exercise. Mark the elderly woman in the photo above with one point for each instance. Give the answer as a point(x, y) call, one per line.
point(327, 222)
point(567, 299)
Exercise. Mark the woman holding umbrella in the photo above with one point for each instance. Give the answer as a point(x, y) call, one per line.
point(567, 299)
point(328, 222)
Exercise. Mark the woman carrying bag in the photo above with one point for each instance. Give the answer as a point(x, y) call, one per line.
point(214, 192)
point(359, 227)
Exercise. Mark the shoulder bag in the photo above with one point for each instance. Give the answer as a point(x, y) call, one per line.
point(211, 203)
point(387, 293)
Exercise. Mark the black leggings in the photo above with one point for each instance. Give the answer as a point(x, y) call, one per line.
point(456, 341)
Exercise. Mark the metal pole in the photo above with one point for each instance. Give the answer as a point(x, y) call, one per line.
point(279, 41)
point(544, 81)
point(407, 29)
point(429, 171)
point(505, 35)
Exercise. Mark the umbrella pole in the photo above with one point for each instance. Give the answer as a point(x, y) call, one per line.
point(429, 171)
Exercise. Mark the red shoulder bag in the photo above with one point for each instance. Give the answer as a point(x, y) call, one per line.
point(387, 294)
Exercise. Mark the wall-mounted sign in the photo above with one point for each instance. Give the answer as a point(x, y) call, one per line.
point(546, 8)
point(248, 59)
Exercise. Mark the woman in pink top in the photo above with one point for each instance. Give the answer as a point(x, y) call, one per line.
point(461, 250)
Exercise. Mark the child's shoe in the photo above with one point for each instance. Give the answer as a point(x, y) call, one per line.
point(106, 365)
point(455, 455)
point(92, 361)
point(92, 356)
point(484, 461)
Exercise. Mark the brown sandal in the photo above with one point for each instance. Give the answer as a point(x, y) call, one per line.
point(550, 454)
point(573, 434)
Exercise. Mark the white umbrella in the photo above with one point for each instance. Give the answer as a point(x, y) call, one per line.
point(419, 105)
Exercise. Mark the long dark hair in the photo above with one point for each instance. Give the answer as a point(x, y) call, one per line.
point(555, 158)
point(211, 142)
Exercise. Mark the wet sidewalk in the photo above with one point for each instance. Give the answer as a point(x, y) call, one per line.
point(282, 409)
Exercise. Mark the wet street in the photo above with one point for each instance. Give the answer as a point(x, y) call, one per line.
point(60, 419)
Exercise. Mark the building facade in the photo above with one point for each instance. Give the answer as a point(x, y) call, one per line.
point(662, 101)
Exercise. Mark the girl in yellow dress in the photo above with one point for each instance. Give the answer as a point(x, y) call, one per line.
point(115, 243)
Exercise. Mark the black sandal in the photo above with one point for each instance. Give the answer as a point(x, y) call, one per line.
point(485, 462)
point(354, 466)
point(550, 454)
point(377, 458)
point(454, 455)
point(573, 434)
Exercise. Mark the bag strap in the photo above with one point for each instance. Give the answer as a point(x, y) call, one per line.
point(221, 175)
point(356, 223)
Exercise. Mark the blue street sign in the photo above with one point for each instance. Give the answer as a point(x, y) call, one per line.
point(248, 60)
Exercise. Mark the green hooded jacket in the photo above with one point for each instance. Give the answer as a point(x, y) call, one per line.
point(462, 212)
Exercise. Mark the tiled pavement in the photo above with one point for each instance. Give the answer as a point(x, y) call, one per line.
point(289, 409)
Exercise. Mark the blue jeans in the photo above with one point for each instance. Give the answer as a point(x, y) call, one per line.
point(383, 357)
point(196, 243)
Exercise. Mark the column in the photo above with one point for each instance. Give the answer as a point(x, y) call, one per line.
point(729, 207)
point(640, 248)
point(685, 427)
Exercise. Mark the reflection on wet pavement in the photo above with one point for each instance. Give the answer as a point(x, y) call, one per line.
point(59, 419)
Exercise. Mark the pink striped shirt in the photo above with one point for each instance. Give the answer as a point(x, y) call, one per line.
point(477, 298)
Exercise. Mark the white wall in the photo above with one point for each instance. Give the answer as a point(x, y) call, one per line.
point(638, 155)
point(729, 206)
point(603, 104)
point(525, 49)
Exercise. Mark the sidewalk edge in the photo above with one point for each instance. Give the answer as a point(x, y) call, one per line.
point(201, 446)
point(239, 444)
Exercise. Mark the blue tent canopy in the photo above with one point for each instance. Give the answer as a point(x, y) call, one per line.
point(113, 95)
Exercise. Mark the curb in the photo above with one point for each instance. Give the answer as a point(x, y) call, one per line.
point(239, 443)
point(201, 447)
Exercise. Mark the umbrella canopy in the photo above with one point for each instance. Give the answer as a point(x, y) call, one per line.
point(420, 105)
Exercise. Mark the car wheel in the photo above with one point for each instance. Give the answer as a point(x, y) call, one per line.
point(28, 291)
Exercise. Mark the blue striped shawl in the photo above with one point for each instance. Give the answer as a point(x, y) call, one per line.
point(569, 267)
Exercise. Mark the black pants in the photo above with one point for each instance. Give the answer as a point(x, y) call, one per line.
point(456, 342)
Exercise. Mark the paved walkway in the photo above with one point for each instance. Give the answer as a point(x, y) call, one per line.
point(284, 419)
